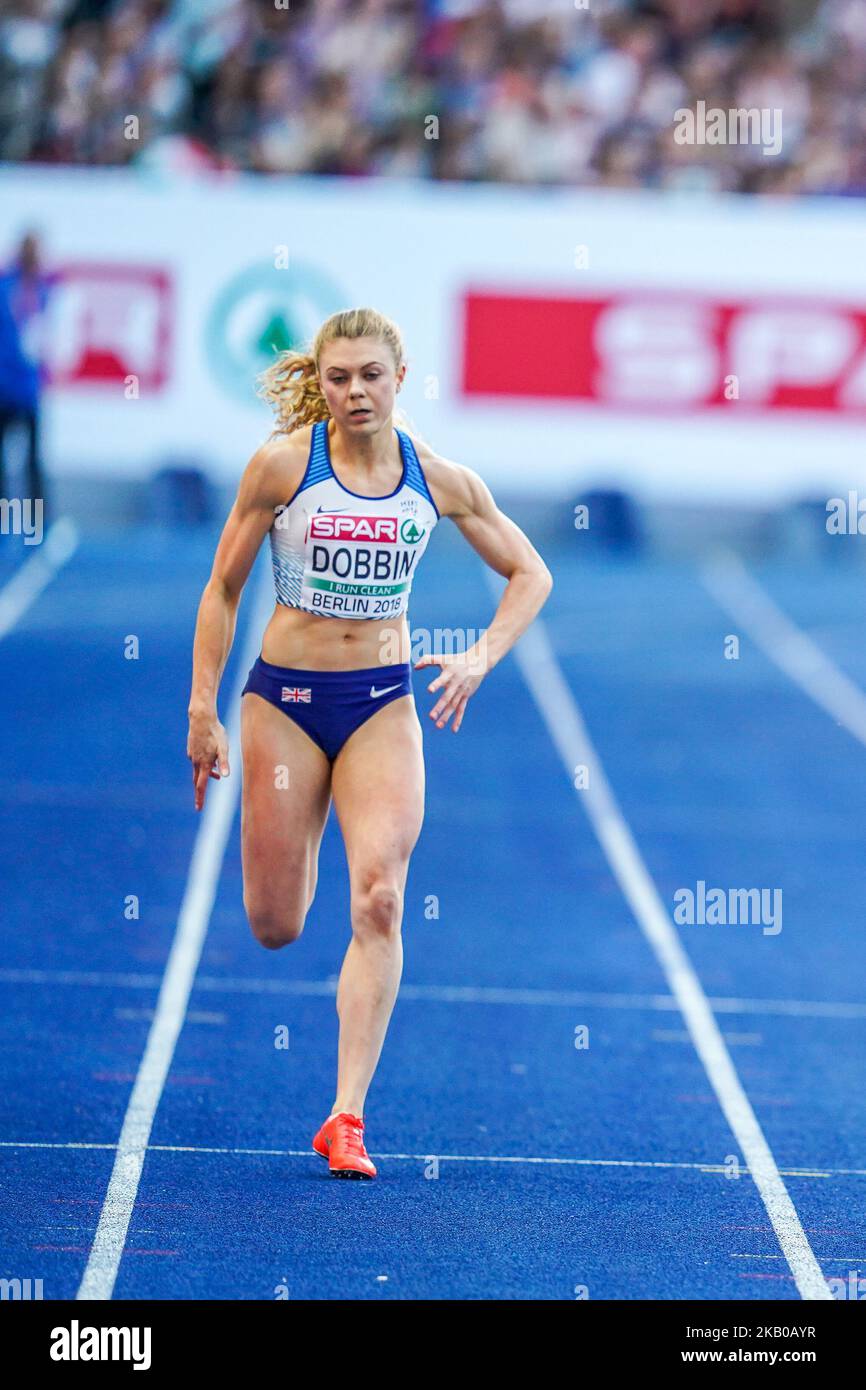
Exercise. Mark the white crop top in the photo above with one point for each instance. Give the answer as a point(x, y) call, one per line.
point(343, 555)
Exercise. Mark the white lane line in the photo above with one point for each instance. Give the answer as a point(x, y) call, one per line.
point(444, 994)
point(565, 725)
point(741, 596)
point(37, 572)
point(451, 1158)
point(213, 832)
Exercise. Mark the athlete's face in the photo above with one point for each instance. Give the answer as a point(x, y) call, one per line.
point(360, 382)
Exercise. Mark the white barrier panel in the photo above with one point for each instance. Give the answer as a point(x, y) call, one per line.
point(685, 347)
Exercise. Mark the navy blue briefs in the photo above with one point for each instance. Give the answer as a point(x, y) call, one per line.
point(329, 705)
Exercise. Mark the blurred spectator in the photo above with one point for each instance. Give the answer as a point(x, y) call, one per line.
point(524, 91)
point(24, 290)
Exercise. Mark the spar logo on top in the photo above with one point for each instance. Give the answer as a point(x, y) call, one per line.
point(104, 323)
point(666, 350)
point(328, 526)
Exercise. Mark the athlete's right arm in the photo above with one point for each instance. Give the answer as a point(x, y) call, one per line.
point(270, 477)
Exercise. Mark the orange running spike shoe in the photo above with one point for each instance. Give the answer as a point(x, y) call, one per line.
point(341, 1142)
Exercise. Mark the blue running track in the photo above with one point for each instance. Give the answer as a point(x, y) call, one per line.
point(512, 1163)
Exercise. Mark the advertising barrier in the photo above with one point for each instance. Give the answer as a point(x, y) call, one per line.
point(693, 347)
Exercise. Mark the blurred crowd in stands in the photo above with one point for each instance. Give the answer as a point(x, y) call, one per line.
point(535, 92)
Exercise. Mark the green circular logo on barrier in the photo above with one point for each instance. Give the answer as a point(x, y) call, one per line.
point(410, 532)
point(261, 312)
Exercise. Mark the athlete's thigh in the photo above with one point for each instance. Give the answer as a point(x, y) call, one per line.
point(378, 788)
point(286, 795)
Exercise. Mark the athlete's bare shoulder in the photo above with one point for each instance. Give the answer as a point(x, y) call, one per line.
point(457, 490)
point(275, 470)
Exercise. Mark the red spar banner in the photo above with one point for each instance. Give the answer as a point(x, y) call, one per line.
point(668, 351)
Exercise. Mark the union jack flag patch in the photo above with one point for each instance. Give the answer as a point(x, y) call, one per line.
point(295, 695)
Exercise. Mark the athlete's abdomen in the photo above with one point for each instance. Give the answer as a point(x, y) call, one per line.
point(307, 641)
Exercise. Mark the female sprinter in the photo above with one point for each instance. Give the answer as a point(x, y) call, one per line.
point(349, 501)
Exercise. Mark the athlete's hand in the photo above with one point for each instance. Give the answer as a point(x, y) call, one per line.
point(207, 748)
point(461, 676)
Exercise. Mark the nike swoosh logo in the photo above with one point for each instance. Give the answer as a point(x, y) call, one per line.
point(329, 510)
point(374, 693)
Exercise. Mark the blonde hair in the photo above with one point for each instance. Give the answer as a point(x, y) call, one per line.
point(291, 383)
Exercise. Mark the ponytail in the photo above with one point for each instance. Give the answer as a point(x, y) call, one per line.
point(291, 385)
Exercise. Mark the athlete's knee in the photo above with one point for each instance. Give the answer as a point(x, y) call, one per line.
point(377, 908)
point(274, 933)
point(274, 929)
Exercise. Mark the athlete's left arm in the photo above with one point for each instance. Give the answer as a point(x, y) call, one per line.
point(464, 497)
